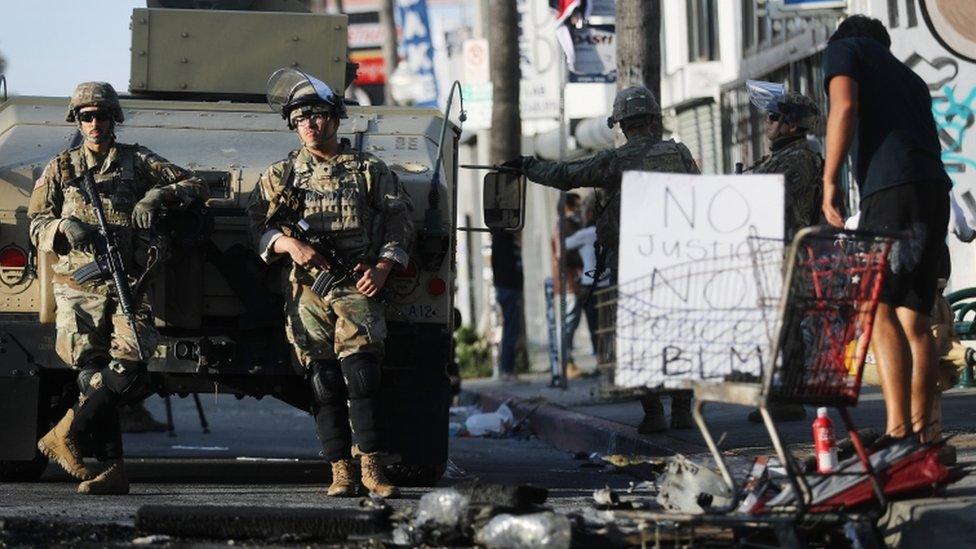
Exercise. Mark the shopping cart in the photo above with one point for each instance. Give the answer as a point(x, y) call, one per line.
point(818, 299)
point(755, 324)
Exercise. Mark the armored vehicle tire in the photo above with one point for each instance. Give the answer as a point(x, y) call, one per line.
point(23, 471)
point(415, 475)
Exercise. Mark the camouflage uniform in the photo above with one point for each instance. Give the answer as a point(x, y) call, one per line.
point(90, 325)
point(362, 204)
point(605, 169)
point(802, 171)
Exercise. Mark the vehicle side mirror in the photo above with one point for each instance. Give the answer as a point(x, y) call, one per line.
point(504, 201)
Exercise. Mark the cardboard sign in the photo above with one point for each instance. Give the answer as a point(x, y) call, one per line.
point(688, 299)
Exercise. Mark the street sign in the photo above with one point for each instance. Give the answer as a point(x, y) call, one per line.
point(475, 55)
point(539, 62)
point(477, 105)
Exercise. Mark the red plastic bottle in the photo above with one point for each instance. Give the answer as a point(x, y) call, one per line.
point(824, 442)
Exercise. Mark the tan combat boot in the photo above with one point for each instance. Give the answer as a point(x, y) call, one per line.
point(345, 481)
point(60, 448)
point(112, 481)
point(373, 477)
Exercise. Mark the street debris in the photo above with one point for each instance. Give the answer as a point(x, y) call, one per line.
point(454, 515)
point(605, 497)
point(642, 467)
point(535, 531)
point(151, 540)
point(490, 423)
point(687, 487)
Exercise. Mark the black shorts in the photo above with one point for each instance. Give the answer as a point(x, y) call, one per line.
point(921, 209)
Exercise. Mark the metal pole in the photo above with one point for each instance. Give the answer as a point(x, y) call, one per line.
point(559, 378)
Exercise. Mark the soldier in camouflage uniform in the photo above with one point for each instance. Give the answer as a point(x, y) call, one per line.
point(93, 336)
point(789, 117)
point(639, 115)
point(353, 197)
point(788, 121)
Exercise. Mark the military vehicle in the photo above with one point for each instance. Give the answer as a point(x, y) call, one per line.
point(196, 97)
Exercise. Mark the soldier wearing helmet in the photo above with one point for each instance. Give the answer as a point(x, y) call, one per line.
point(637, 112)
point(789, 117)
point(92, 334)
point(352, 197)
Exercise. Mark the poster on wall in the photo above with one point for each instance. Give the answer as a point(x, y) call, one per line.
point(417, 49)
point(687, 299)
point(586, 33)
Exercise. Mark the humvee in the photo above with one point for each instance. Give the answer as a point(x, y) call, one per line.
point(196, 98)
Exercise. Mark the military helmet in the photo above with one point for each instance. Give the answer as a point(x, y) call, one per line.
point(798, 109)
point(631, 102)
point(289, 89)
point(95, 94)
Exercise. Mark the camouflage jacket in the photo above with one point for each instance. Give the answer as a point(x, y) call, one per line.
point(802, 171)
point(123, 177)
point(354, 197)
point(605, 170)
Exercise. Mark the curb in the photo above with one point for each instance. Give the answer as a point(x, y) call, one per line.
point(575, 432)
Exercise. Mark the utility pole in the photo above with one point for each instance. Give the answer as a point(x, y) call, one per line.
point(506, 120)
point(638, 27)
point(390, 59)
point(506, 137)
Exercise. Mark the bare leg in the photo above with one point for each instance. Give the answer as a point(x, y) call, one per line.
point(894, 368)
point(925, 363)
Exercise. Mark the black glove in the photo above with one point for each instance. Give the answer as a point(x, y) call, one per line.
point(518, 163)
point(79, 235)
point(145, 212)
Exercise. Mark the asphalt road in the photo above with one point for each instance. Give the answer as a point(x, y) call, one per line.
point(264, 453)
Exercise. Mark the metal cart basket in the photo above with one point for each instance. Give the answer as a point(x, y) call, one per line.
point(762, 325)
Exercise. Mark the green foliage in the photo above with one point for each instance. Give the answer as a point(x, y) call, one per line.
point(473, 353)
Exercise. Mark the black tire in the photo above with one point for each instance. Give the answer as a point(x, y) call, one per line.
point(415, 475)
point(23, 471)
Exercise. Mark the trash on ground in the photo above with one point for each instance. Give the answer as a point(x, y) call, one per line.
point(642, 467)
point(446, 508)
point(536, 531)
point(151, 540)
point(491, 423)
point(688, 487)
point(605, 497)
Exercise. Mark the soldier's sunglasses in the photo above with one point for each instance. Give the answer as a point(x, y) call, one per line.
point(101, 116)
point(302, 119)
point(774, 116)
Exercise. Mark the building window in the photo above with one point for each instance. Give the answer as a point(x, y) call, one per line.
point(702, 30)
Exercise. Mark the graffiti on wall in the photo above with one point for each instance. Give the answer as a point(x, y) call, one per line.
point(937, 39)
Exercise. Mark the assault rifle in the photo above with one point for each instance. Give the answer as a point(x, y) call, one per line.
point(339, 271)
point(108, 260)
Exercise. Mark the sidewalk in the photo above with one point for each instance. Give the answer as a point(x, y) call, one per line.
point(580, 419)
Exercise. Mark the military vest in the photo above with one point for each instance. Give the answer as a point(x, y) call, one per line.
point(639, 154)
point(333, 197)
point(119, 191)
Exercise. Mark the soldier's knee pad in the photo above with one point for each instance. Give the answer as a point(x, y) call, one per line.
point(128, 379)
point(362, 372)
point(88, 378)
point(327, 383)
